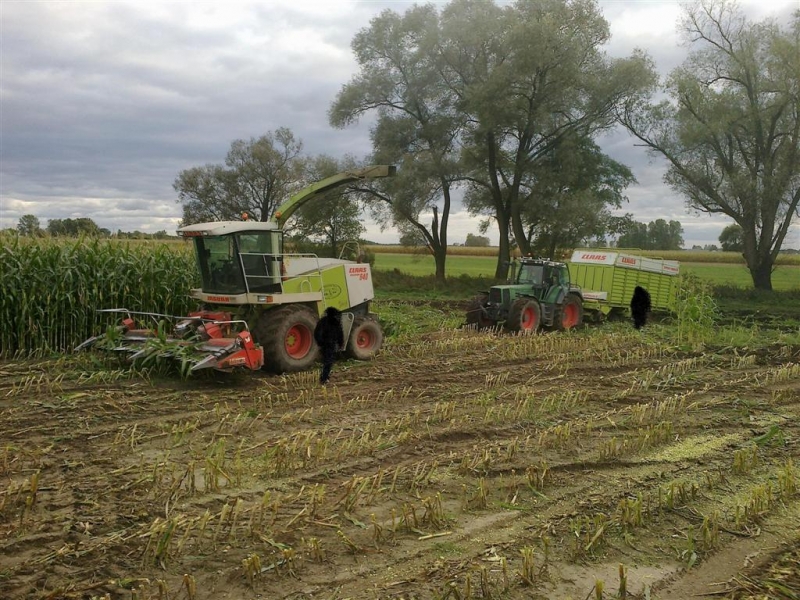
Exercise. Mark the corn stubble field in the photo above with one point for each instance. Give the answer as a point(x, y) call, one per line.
point(601, 463)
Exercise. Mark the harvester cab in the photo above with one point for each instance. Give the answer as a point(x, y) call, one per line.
point(258, 304)
point(538, 294)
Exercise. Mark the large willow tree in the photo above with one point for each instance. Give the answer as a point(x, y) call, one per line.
point(475, 96)
point(530, 77)
point(418, 123)
point(730, 128)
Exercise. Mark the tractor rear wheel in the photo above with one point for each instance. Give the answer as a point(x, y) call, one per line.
point(366, 338)
point(570, 313)
point(525, 316)
point(476, 314)
point(287, 336)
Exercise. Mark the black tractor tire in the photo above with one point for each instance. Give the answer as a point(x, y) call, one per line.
point(475, 313)
point(287, 336)
point(366, 338)
point(570, 314)
point(525, 316)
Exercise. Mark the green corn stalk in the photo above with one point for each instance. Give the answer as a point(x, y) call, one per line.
point(51, 287)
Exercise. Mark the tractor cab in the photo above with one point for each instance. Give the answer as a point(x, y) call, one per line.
point(538, 293)
point(546, 280)
point(237, 257)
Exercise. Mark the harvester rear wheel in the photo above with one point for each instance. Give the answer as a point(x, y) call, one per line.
point(525, 316)
point(570, 313)
point(287, 336)
point(475, 313)
point(366, 338)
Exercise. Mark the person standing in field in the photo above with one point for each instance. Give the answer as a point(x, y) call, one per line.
point(330, 339)
point(640, 306)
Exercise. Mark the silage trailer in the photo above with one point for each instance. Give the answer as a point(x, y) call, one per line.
point(607, 279)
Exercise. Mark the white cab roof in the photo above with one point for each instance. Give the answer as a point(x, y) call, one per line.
point(224, 227)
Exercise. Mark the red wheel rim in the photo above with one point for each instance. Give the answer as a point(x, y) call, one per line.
point(528, 318)
point(570, 315)
point(364, 339)
point(297, 341)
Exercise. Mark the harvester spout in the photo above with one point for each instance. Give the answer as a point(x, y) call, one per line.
point(288, 208)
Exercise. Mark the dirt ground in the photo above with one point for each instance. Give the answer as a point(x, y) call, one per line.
point(580, 465)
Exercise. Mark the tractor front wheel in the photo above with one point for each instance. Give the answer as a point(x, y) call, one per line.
point(287, 336)
point(570, 313)
point(525, 316)
point(476, 314)
point(366, 338)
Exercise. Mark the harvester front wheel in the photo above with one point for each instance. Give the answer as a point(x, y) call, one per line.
point(570, 314)
point(366, 338)
point(525, 316)
point(287, 336)
point(476, 315)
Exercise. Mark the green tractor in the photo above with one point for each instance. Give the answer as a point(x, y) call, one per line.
point(258, 305)
point(539, 294)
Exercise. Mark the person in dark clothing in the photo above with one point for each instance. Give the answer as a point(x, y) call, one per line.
point(640, 306)
point(330, 339)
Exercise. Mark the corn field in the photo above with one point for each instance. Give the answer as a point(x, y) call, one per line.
point(50, 289)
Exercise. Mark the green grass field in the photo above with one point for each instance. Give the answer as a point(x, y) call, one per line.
point(784, 277)
point(412, 264)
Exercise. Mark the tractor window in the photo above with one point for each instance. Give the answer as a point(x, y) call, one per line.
point(219, 267)
point(552, 276)
point(531, 274)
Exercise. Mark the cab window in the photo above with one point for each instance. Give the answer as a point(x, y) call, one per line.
point(531, 274)
point(219, 267)
point(255, 243)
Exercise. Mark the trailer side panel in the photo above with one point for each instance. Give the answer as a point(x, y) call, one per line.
point(617, 275)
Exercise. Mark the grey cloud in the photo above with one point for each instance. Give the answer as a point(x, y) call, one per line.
point(105, 103)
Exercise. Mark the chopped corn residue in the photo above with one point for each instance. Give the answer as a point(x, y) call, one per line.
point(692, 447)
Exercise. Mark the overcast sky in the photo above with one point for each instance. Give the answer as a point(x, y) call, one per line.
point(103, 103)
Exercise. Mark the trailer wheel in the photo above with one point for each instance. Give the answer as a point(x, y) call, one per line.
point(525, 316)
point(366, 338)
point(570, 313)
point(475, 313)
point(287, 336)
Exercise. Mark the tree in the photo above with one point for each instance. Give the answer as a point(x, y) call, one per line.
point(28, 225)
point(665, 236)
point(527, 75)
point(417, 123)
point(731, 238)
point(477, 241)
point(257, 177)
point(333, 219)
point(572, 189)
point(656, 235)
point(475, 96)
point(634, 236)
point(730, 130)
point(73, 227)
